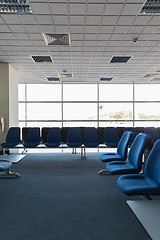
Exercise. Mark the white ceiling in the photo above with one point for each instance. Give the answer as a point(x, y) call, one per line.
point(98, 30)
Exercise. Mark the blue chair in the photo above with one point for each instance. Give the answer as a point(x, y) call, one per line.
point(134, 131)
point(33, 138)
point(122, 150)
point(111, 138)
point(144, 184)
point(4, 169)
point(54, 138)
point(12, 138)
point(90, 138)
point(133, 164)
point(74, 138)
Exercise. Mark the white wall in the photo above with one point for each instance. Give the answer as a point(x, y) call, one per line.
point(8, 97)
point(13, 97)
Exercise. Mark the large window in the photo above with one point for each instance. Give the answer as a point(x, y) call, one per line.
point(89, 105)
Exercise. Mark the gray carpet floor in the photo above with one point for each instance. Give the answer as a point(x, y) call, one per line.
point(61, 197)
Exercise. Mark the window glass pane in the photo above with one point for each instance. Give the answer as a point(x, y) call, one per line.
point(147, 92)
point(79, 124)
point(80, 92)
point(147, 123)
point(147, 111)
point(21, 92)
point(116, 124)
point(115, 92)
point(43, 92)
point(43, 111)
point(44, 124)
point(21, 111)
point(115, 111)
point(80, 111)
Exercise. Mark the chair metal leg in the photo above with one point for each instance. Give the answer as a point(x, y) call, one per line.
point(84, 153)
point(81, 152)
point(4, 151)
point(103, 172)
point(8, 174)
point(146, 197)
point(24, 150)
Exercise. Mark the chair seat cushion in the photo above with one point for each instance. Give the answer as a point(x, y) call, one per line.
point(119, 167)
point(52, 145)
point(108, 157)
point(9, 144)
point(138, 184)
point(30, 144)
point(4, 165)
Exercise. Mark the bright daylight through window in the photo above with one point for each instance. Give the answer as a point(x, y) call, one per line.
point(96, 105)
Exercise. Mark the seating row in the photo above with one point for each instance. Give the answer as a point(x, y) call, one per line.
point(137, 180)
point(74, 136)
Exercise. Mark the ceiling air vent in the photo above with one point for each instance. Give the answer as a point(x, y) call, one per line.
point(150, 7)
point(40, 59)
point(65, 75)
point(15, 6)
point(56, 39)
point(53, 79)
point(119, 59)
point(105, 79)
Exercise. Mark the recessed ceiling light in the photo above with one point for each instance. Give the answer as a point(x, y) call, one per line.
point(150, 7)
point(65, 75)
point(15, 6)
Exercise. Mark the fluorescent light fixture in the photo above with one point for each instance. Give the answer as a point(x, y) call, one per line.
point(53, 79)
point(15, 6)
point(105, 79)
point(150, 7)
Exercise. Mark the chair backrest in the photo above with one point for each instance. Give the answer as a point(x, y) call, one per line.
point(24, 133)
point(137, 149)
point(111, 138)
point(152, 166)
point(90, 137)
point(13, 135)
point(33, 135)
point(44, 133)
point(153, 136)
point(120, 131)
point(54, 135)
point(122, 148)
point(134, 131)
point(152, 133)
point(74, 134)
